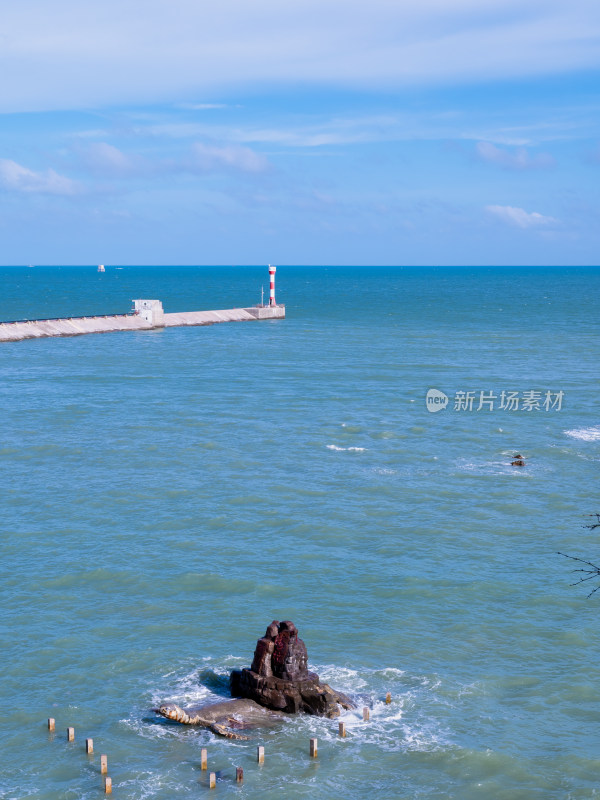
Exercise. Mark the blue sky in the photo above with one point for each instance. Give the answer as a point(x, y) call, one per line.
point(444, 132)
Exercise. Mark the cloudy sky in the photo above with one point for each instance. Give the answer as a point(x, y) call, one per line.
point(302, 132)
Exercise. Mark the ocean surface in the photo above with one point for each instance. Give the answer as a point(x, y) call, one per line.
point(166, 494)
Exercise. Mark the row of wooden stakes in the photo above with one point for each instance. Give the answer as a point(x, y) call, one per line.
point(89, 749)
point(260, 750)
point(212, 778)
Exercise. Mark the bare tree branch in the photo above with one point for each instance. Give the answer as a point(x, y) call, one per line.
point(592, 571)
point(594, 525)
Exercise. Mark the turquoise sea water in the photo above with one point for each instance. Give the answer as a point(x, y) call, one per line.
point(166, 494)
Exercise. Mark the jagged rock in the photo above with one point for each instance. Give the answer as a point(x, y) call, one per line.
point(279, 678)
point(262, 657)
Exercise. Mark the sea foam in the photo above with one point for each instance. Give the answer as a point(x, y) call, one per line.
point(355, 449)
point(585, 434)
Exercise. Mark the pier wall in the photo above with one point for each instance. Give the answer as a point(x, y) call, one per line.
point(224, 315)
point(151, 318)
point(34, 329)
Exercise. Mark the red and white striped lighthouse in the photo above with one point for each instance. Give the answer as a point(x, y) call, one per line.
point(272, 285)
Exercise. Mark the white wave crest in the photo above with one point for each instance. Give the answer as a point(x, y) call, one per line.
point(585, 434)
point(355, 449)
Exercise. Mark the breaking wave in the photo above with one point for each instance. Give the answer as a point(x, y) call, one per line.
point(355, 449)
point(585, 434)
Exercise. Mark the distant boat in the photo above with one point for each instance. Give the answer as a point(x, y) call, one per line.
point(101, 268)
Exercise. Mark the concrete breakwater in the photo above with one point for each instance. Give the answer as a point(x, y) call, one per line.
point(146, 315)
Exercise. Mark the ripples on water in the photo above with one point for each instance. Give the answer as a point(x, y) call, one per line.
point(166, 494)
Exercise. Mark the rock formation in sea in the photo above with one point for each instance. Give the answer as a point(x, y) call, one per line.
point(279, 678)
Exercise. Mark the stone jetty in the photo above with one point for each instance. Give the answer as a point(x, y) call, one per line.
point(146, 315)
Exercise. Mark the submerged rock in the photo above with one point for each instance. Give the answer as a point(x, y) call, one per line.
point(223, 718)
point(279, 678)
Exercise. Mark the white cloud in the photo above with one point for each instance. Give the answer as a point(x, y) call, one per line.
point(508, 129)
point(315, 134)
point(520, 218)
point(106, 158)
point(207, 157)
point(15, 177)
point(203, 106)
point(518, 159)
point(69, 54)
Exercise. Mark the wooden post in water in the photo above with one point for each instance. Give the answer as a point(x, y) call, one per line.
point(260, 754)
point(203, 759)
point(89, 746)
point(212, 780)
point(388, 698)
point(103, 765)
point(313, 748)
point(365, 714)
point(107, 785)
point(70, 734)
point(51, 724)
point(342, 729)
point(239, 774)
